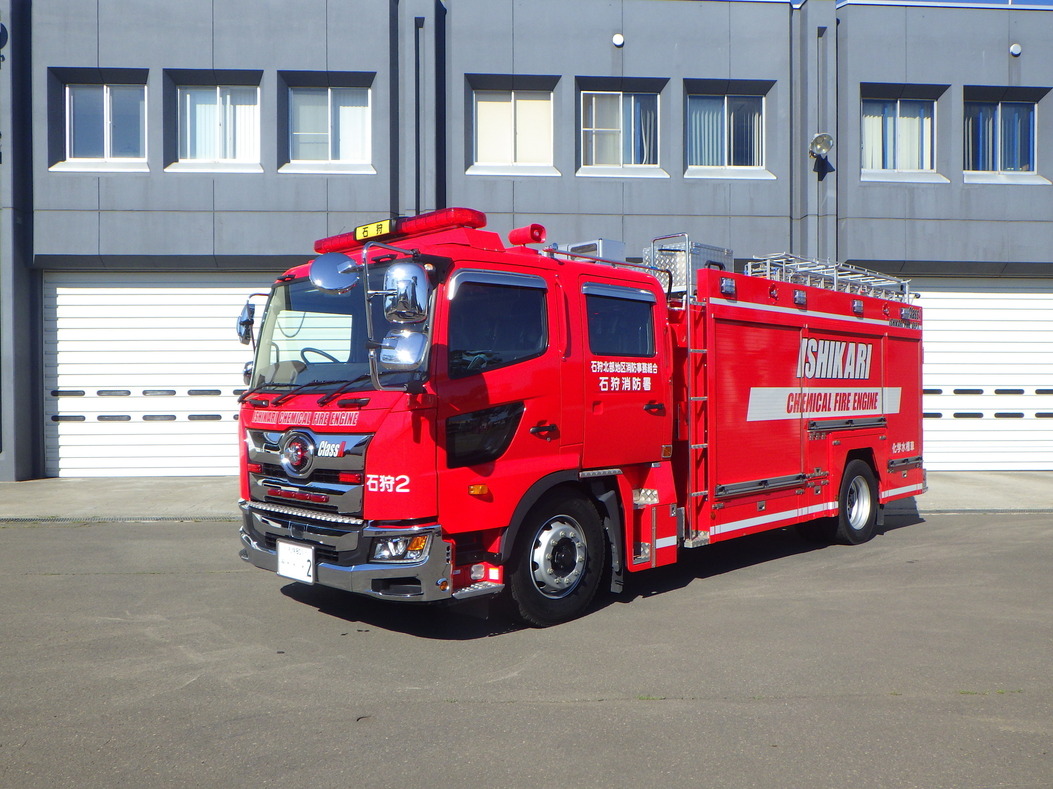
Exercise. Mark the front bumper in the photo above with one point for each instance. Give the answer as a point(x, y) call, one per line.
point(342, 555)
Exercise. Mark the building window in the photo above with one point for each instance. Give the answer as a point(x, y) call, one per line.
point(1000, 136)
point(513, 127)
point(219, 124)
point(619, 129)
point(106, 122)
point(329, 125)
point(725, 131)
point(898, 134)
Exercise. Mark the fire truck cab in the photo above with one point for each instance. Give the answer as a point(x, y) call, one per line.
point(432, 414)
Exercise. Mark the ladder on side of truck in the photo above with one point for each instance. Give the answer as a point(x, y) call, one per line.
point(698, 440)
point(682, 258)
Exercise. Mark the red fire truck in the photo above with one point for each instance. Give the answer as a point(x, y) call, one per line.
point(434, 414)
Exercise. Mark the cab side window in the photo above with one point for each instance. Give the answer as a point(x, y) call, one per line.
point(494, 325)
point(621, 321)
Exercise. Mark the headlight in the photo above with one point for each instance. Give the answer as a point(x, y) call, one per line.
point(401, 549)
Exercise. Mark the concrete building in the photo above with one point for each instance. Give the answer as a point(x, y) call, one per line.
point(160, 162)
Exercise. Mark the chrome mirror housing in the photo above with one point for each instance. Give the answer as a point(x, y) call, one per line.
point(403, 350)
point(331, 273)
point(245, 322)
point(406, 290)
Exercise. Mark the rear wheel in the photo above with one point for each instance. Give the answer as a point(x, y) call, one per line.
point(857, 504)
point(558, 561)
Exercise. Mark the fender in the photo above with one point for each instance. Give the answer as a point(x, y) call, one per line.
point(611, 516)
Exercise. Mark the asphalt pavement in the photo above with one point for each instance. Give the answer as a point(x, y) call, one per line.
point(145, 654)
point(216, 498)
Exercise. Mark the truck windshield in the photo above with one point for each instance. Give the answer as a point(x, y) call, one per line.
point(312, 337)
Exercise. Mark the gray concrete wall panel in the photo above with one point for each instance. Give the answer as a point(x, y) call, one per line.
point(273, 32)
point(161, 192)
point(265, 233)
point(66, 232)
point(271, 192)
point(155, 232)
point(137, 33)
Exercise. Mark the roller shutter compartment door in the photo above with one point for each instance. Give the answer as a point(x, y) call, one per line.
point(142, 371)
point(988, 375)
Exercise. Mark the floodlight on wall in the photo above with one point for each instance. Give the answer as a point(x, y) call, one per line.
point(618, 40)
point(820, 145)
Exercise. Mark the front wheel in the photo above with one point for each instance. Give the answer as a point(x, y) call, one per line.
point(558, 561)
point(857, 504)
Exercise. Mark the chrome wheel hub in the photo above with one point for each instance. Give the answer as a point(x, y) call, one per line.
point(858, 504)
point(558, 557)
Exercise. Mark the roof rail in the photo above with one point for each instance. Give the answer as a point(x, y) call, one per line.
point(844, 277)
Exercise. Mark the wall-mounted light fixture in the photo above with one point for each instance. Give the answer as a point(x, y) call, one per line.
point(818, 149)
point(618, 40)
point(820, 145)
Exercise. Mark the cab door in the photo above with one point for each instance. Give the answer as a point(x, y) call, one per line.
point(499, 393)
point(628, 412)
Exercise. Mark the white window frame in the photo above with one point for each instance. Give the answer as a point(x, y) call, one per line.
point(622, 169)
point(246, 162)
point(363, 165)
point(107, 161)
point(727, 170)
point(510, 165)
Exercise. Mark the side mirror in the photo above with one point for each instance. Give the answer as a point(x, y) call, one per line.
point(331, 273)
point(246, 373)
point(403, 350)
point(406, 293)
point(245, 322)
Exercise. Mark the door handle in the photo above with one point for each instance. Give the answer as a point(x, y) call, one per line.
point(547, 432)
point(655, 408)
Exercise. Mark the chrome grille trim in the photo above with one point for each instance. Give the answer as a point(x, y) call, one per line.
point(298, 512)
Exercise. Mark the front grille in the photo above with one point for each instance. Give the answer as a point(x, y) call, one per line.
point(318, 475)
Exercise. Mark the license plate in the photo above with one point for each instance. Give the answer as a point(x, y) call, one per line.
point(373, 230)
point(296, 561)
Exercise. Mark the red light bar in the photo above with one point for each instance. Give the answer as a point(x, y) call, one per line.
point(441, 219)
point(403, 226)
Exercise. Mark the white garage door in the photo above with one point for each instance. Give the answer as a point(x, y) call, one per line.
point(988, 373)
point(141, 372)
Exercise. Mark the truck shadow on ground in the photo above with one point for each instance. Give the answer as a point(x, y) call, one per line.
point(483, 619)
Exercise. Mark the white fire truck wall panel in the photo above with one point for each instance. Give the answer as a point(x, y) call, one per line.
point(988, 373)
point(141, 372)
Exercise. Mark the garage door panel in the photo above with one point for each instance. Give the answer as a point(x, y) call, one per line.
point(142, 372)
point(988, 375)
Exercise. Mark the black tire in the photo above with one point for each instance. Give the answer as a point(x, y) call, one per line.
point(558, 561)
point(857, 504)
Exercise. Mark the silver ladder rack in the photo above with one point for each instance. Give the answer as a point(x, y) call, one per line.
point(784, 267)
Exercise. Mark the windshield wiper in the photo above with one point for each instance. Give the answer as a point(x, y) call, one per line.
point(259, 388)
point(330, 396)
point(295, 391)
